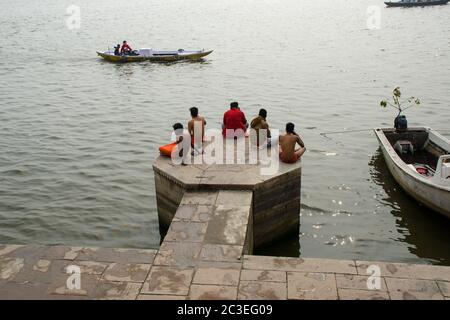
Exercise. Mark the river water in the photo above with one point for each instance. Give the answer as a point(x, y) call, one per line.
point(78, 135)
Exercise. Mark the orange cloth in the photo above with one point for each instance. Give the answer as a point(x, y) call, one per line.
point(167, 149)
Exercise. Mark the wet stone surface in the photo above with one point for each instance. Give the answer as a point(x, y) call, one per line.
point(411, 289)
point(216, 276)
point(351, 294)
point(311, 286)
point(214, 272)
point(169, 281)
point(212, 292)
point(259, 290)
point(218, 252)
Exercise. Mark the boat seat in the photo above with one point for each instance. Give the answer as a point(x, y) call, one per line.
point(404, 147)
point(445, 171)
point(442, 174)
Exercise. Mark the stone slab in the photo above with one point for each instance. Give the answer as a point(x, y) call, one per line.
point(349, 281)
point(299, 264)
point(408, 271)
point(216, 276)
point(261, 290)
point(23, 291)
point(186, 231)
point(263, 275)
point(10, 267)
point(181, 254)
point(168, 281)
point(199, 198)
point(411, 289)
point(108, 290)
point(212, 292)
point(234, 198)
point(61, 253)
point(193, 213)
point(48, 271)
point(220, 264)
point(311, 286)
point(228, 225)
point(218, 252)
point(353, 294)
point(117, 255)
point(445, 288)
point(127, 272)
point(88, 286)
point(86, 267)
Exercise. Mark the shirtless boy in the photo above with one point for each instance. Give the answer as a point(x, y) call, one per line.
point(193, 128)
point(288, 141)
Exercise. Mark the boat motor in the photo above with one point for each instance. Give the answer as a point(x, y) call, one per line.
point(400, 123)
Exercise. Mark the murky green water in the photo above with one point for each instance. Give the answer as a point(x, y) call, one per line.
point(78, 135)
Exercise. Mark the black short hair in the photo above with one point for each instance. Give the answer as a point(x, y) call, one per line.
point(263, 113)
point(177, 126)
point(289, 127)
point(124, 40)
point(194, 111)
point(234, 105)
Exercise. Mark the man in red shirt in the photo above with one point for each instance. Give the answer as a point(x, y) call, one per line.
point(125, 47)
point(234, 122)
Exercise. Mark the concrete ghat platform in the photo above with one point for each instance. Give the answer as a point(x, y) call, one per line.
point(38, 272)
point(204, 255)
point(275, 186)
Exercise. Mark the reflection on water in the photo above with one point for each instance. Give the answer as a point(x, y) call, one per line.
point(425, 231)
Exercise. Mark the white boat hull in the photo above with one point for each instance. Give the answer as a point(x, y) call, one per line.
point(432, 195)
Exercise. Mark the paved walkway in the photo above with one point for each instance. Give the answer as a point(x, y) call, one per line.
point(38, 272)
point(205, 255)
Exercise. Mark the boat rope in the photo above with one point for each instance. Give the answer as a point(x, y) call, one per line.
point(345, 131)
point(324, 134)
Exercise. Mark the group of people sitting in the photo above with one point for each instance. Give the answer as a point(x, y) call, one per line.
point(235, 125)
point(125, 50)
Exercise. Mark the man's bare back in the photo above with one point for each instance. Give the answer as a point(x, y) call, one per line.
point(191, 127)
point(288, 142)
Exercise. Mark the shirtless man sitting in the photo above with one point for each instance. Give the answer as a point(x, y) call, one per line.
point(288, 141)
point(196, 128)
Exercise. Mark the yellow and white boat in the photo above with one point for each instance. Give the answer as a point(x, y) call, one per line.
point(154, 55)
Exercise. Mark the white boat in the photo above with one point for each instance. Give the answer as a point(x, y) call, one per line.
point(154, 55)
point(419, 160)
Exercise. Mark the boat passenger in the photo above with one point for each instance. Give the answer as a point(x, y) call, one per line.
point(196, 128)
point(182, 141)
point(234, 122)
point(260, 128)
point(125, 48)
point(288, 142)
point(117, 50)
